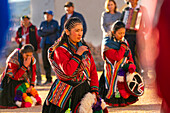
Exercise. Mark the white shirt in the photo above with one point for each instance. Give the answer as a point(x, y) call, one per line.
point(68, 16)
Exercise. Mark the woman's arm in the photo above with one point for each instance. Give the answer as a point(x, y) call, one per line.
point(115, 55)
point(65, 61)
point(14, 72)
point(94, 83)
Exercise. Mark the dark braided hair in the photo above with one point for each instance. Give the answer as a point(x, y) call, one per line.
point(69, 24)
point(27, 48)
point(117, 25)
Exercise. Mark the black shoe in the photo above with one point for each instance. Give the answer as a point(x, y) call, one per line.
point(47, 83)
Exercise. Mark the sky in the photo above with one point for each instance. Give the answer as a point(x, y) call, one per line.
point(17, 0)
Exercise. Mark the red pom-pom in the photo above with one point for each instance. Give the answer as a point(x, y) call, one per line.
point(26, 104)
point(131, 68)
point(38, 100)
point(122, 90)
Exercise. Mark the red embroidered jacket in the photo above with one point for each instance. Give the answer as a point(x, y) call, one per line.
point(116, 55)
point(69, 64)
point(15, 72)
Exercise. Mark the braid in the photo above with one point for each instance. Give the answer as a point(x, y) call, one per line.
point(84, 43)
point(69, 24)
point(64, 38)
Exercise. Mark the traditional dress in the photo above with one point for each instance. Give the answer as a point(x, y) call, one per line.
point(117, 62)
point(15, 80)
point(76, 76)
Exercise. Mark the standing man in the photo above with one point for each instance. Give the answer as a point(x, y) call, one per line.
point(69, 9)
point(49, 31)
point(135, 37)
point(27, 34)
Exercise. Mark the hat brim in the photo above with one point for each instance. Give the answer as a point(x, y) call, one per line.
point(47, 13)
point(68, 6)
point(25, 17)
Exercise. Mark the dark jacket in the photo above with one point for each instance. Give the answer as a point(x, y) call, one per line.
point(32, 38)
point(50, 30)
point(75, 14)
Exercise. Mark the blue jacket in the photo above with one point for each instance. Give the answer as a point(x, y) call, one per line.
point(49, 31)
point(75, 14)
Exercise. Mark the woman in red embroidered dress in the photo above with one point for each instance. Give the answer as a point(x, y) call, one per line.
point(118, 61)
point(73, 64)
point(18, 79)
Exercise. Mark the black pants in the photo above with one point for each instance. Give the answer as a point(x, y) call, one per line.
point(131, 38)
point(46, 64)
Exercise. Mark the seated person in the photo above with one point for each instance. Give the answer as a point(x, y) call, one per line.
point(17, 81)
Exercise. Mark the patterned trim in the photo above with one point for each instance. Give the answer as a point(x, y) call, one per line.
point(32, 83)
point(79, 74)
point(124, 46)
point(60, 93)
point(33, 61)
point(76, 59)
point(24, 68)
point(7, 107)
point(122, 104)
point(94, 88)
point(113, 82)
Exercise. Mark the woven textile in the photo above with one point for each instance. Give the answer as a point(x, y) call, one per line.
point(60, 93)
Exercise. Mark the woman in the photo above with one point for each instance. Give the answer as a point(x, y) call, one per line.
point(118, 62)
point(74, 66)
point(109, 17)
point(18, 79)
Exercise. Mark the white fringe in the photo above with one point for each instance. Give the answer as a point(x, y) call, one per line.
point(86, 103)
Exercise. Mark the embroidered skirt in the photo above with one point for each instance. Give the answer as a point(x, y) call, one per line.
point(76, 96)
point(116, 102)
point(8, 93)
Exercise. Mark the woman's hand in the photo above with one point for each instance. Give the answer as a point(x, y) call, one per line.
point(27, 61)
point(95, 100)
point(29, 89)
point(81, 50)
point(21, 40)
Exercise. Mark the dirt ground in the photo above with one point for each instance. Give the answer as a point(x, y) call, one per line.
point(148, 103)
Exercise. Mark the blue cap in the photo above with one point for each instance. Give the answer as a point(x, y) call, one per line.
point(49, 12)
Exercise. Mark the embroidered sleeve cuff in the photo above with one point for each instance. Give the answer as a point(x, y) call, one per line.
point(124, 46)
point(130, 62)
point(95, 89)
point(32, 84)
point(76, 58)
point(24, 68)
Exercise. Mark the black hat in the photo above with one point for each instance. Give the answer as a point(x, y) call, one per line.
point(25, 16)
point(69, 4)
